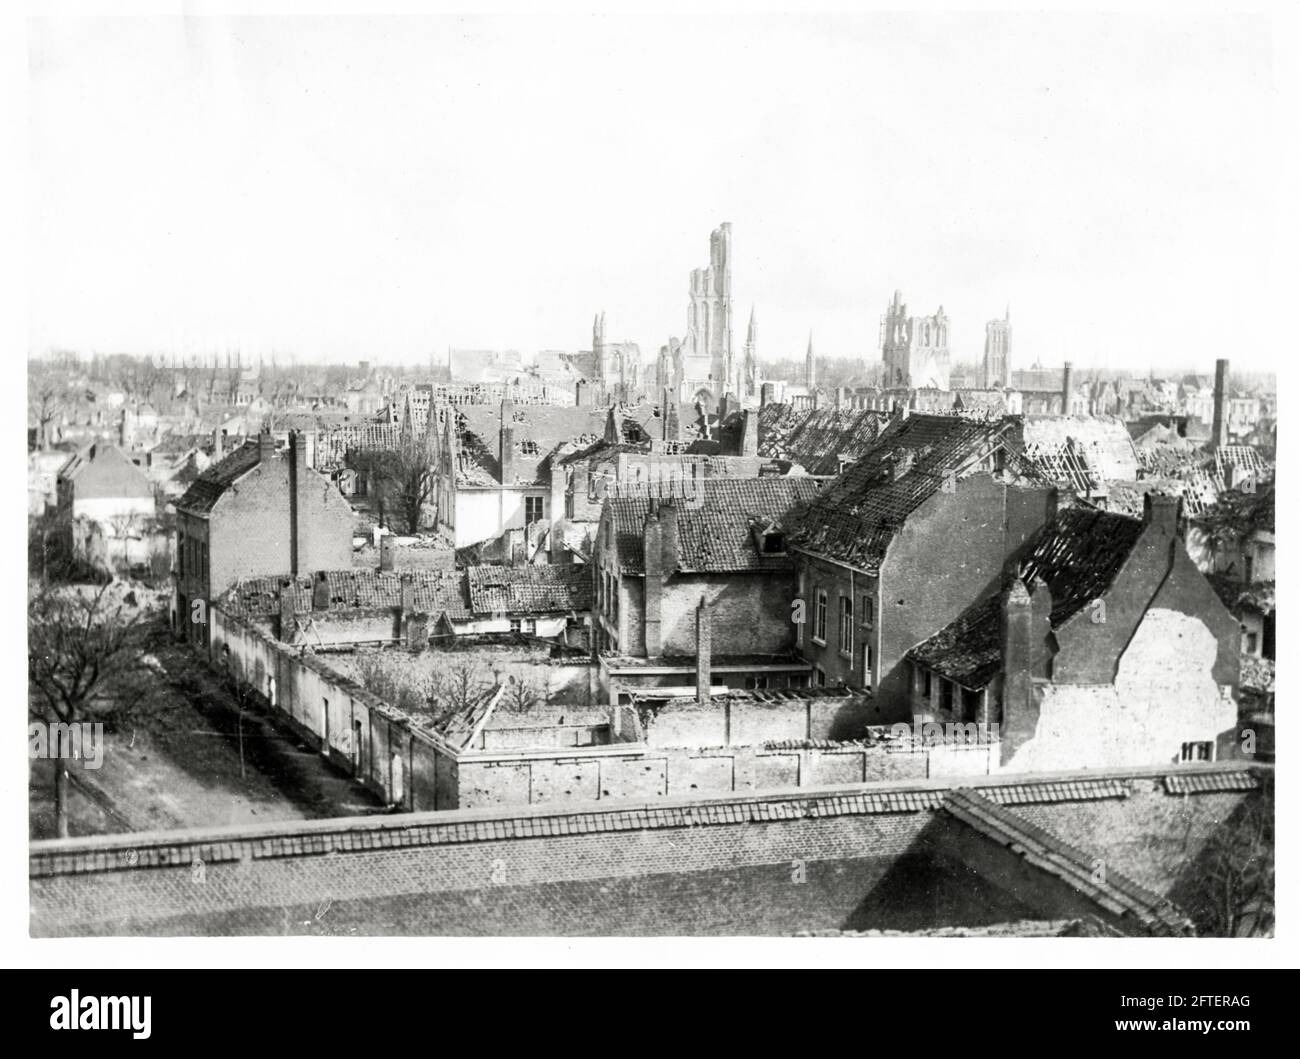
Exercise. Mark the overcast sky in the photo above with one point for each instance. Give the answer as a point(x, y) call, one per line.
point(371, 188)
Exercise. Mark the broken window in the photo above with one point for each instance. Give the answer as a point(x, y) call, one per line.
point(1198, 751)
point(846, 625)
point(819, 617)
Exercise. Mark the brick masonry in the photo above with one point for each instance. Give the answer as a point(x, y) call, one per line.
point(847, 859)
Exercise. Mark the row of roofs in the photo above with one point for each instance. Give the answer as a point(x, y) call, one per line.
point(462, 595)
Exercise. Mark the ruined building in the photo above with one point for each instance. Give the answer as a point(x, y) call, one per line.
point(810, 367)
point(997, 353)
point(616, 365)
point(703, 367)
point(914, 348)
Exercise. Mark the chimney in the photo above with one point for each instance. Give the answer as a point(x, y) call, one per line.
point(124, 431)
point(1160, 511)
point(581, 393)
point(387, 550)
point(297, 486)
point(668, 520)
point(506, 449)
point(725, 407)
point(652, 543)
point(1017, 653)
point(672, 427)
point(611, 427)
point(703, 649)
point(408, 595)
point(286, 611)
point(766, 394)
point(1067, 388)
point(839, 397)
point(320, 592)
point(218, 444)
point(1220, 436)
point(749, 433)
point(1041, 626)
point(265, 447)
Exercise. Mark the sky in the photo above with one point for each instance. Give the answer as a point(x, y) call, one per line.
point(384, 188)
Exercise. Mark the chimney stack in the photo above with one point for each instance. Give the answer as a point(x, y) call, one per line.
point(387, 548)
point(1017, 652)
point(506, 450)
point(297, 486)
point(582, 393)
point(766, 394)
point(286, 610)
point(1159, 510)
point(652, 543)
point(408, 595)
point(1219, 438)
point(703, 650)
point(668, 520)
point(320, 592)
point(265, 447)
point(672, 426)
point(749, 433)
point(1067, 388)
point(218, 444)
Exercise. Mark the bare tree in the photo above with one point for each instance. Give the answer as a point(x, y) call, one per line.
point(404, 473)
point(457, 687)
point(521, 695)
point(1233, 890)
point(78, 645)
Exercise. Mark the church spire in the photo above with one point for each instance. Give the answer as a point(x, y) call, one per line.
point(810, 367)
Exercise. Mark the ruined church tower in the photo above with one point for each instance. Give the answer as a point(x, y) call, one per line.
point(810, 367)
point(997, 353)
point(914, 348)
point(707, 350)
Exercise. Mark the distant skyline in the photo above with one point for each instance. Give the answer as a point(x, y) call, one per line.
point(383, 188)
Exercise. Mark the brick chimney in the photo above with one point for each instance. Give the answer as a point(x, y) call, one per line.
point(1067, 388)
point(506, 447)
point(668, 520)
point(1017, 653)
point(582, 393)
point(1160, 513)
point(766, 394)
point(408, 595)
point(320, 592)
point(611, 427)
point(265, 447)
point(839, 397)
point(298, 485)
point(652, 545)
point(703, 649)
point(672, 424)
point(218, 444)
point(749, 433)
point(286, 629)
point(387, 550)
point(1219, 437)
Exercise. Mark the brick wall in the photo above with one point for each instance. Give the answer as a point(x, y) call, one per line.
point(871, 858)
point(249, 527)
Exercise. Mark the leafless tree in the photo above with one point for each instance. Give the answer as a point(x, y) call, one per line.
point(79, 644)
point(521, 695)
point(1233, 893)
point(405, 473)
point(457, 687)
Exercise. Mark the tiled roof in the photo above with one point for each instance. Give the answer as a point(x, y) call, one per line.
point(435, 591)
point(714, 526)
point(530, 589)
point(817, 438)
point(858, 514)
point(1077, 556)
point(1211, 782)
point(208, 487)
point(1042, 849)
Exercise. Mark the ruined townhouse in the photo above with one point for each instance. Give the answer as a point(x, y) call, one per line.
point(900, 543)
point(1105, 647)
point(256, 512)
point(695, 592)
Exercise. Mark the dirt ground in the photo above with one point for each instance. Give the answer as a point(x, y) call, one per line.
point(180, 765)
